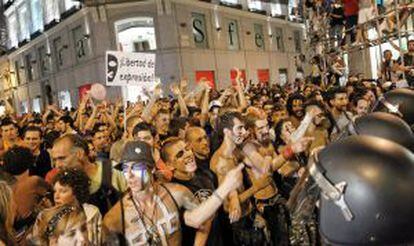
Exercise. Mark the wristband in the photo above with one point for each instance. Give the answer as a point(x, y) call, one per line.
point(218, 196)
point(288, 153)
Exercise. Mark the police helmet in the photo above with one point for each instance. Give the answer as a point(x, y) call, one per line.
point(366, 192)
point(383, 125)
point(399, 102)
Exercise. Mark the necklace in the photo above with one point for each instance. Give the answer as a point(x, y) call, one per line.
point(151, 231)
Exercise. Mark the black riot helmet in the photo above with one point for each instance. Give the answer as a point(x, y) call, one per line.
point(399, 102)
point(366, 192)
point(383, 125)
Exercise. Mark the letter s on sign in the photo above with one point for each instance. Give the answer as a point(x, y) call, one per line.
point(198, 31)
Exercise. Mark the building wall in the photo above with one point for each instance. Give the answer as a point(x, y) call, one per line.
point(177, 54)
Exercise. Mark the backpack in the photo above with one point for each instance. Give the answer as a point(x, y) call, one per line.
point(106, 196)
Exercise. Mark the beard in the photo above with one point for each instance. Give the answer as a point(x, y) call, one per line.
point(341, 108)
point(239, 140)
point(264, 140)
point(298, 114)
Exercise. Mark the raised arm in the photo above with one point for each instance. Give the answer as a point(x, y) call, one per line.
point(81, 110)
point(181, 102)
point(9, 109)
point(195, 217)
point(240, 92)
point(303, 127)
point(146, 113)
point(204, 106)
point(91, 121)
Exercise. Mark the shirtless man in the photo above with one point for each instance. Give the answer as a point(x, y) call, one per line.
point(149, 212)
point(235, 149)
point(267, 200)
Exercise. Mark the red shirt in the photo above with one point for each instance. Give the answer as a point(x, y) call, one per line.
point(350, 7)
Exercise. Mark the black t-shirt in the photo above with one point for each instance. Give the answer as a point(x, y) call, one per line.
point(42, 165)
point(337, 10)
point(408, 60)
point(102, 155)
point(163, 137)
point(205, 165)
point(202, 185)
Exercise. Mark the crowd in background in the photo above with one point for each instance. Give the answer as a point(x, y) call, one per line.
point(196, 167)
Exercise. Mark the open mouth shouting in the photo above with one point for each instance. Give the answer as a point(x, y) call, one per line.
point(190, 164)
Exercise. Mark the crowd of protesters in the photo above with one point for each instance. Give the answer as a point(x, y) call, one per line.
point(346, 22)
point(341, 26)
point(196, 167)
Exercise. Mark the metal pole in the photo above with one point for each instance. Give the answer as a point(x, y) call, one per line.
point(397, 16)
point(379, 36)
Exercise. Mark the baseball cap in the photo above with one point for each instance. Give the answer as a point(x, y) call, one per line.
point(138, 151)
point(214, 103)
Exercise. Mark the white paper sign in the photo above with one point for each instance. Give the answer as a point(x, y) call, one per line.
point(127, 68)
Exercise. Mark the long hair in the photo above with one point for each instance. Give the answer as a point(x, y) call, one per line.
point(289, 103)
point(278, 134)
point(6, 214)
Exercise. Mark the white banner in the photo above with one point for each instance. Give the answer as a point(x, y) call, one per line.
point(127, 68)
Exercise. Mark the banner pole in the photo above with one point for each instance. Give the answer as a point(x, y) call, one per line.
point(125, 102)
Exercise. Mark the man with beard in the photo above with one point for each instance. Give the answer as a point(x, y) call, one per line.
point(65, 125)
point(248, 227)
point(181, 159)
point(267, 200)
point(360, 106)
point(149, 214)
point(338, 101)
point(294, 107)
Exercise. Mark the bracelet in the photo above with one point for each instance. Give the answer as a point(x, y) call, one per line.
point(288, 153)
point(218, 196)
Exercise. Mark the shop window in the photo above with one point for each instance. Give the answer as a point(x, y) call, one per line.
point(136, 34)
